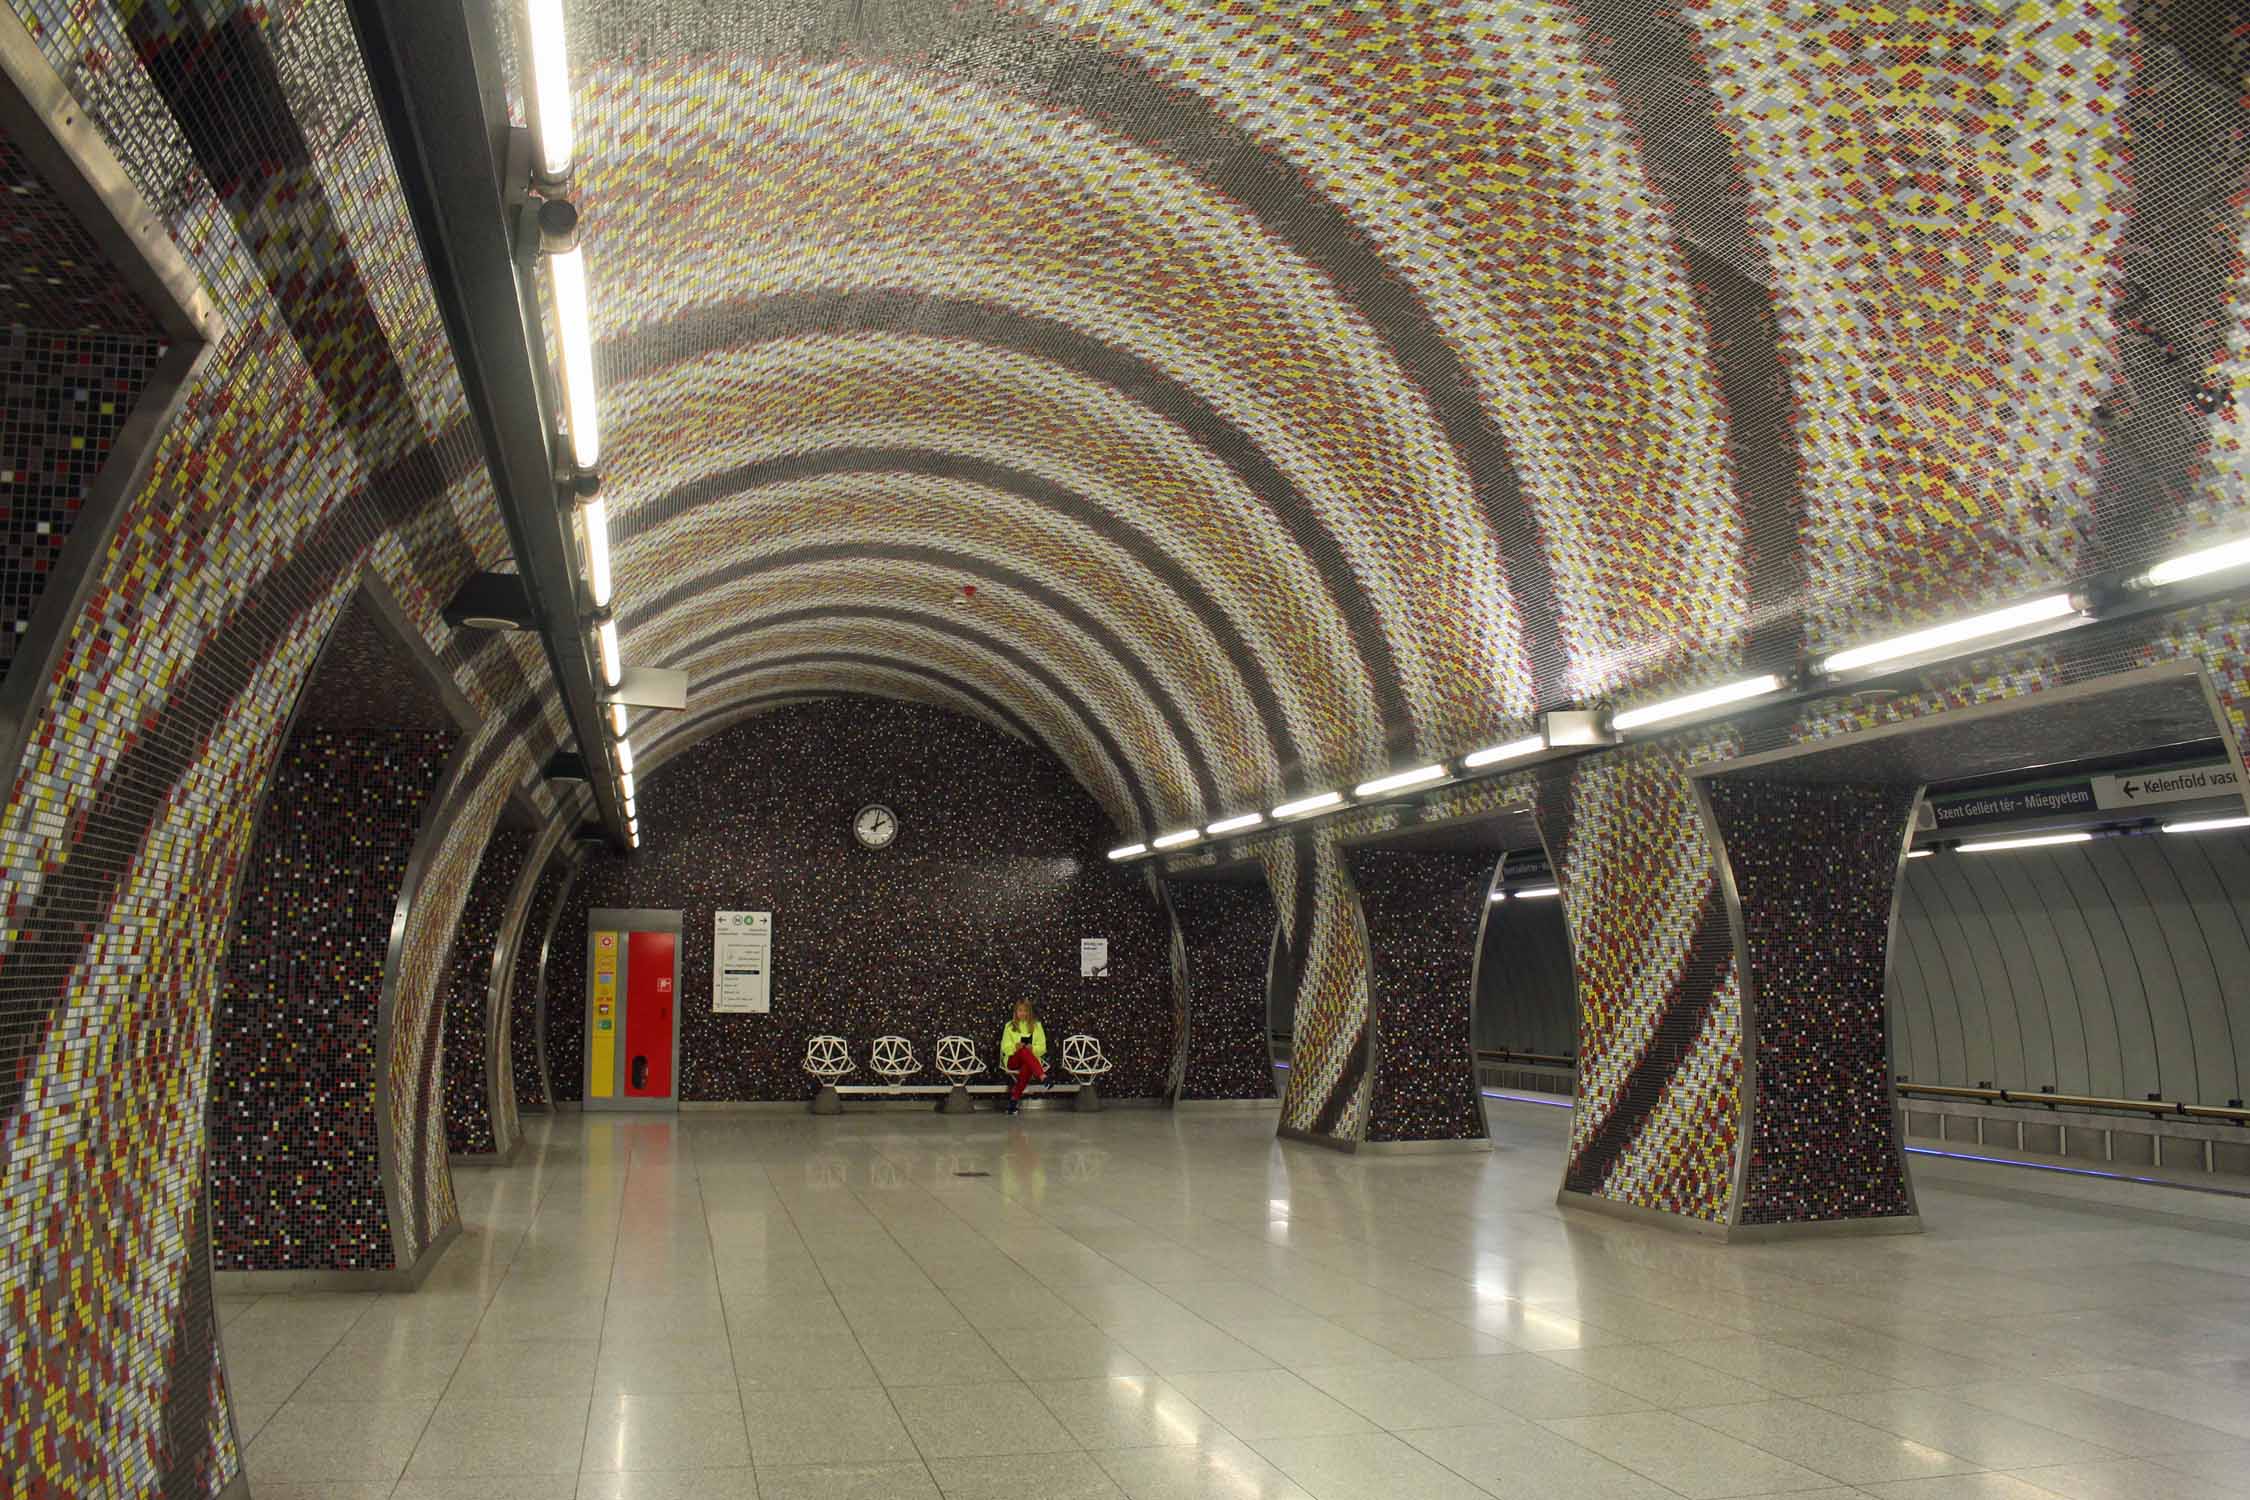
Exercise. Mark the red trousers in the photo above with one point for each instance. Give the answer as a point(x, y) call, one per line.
point(1025, 1066)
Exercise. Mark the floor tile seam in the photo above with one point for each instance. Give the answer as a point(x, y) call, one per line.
point(2106, 1453)
point(1827, 1483)
point(1973, 1467)
point(1961, 1390)
point(601, 1336)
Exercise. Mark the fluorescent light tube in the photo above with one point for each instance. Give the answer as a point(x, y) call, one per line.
point(1513, 750)
point(2204, 560)
point(550, 82)
point(625, 755)
point(1396, 780)
point(1938, 637)
point(1174, 840)
point(625, 782)
point(2206, 825)
point(1499, 895)
point(631, 812)
point(1308, 804)
point(1536, 892)
point(567, 274)
point(1128, 851)
point(2034, 841)
point(1229, 825)
point(617, 720)
point(1679, 708)
point(1920, 853)
point(605, 635)
point(594, 516)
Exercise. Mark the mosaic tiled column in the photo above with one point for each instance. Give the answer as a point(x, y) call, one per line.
point(1226, 939)
point(527, 981)
point(1323, 965)
point(297, 1043)
point(1423, 910)
point(1815, 869)
point(1660, 1015)
point(477, 1122)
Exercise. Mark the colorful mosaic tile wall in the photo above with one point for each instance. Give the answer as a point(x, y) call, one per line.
point(528, 981)
point(328, 435)
point(296, 1048)
point(76, 350)
point(471, 1017)
point(997, 872)
point(1226, 936)
point(1423, 910)
point(1815, 868)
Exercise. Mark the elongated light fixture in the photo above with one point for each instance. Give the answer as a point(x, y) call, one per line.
point(1939, 637)
point(1499, 895)
point(1127, 851)
point(1536, 892)
point(625, 756)
point(605, 636)
point(625, 782)
point(550, 83)
point(618, 720)
point(1174, 840)
point(1310, 804)
point(594, 516)
point(2203, 560)
point(2034, 841)
point(1229, 825)
point(1492, 755)
point(630, 811)
point(567, 270)
point(1694, 703)
point(1393, 782)
point(2206, 825)
point(1920, 853)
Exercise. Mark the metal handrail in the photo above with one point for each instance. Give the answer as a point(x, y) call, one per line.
point(2232, 1114)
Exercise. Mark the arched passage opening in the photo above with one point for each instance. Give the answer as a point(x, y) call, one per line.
point(309, 1050)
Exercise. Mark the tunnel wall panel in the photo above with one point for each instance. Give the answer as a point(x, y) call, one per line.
point(2110, 968)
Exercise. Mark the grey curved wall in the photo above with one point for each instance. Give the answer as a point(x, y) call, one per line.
point(2119, 967)
point(1526, 1001)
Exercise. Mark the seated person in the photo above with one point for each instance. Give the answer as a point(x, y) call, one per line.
point(1023, 1053)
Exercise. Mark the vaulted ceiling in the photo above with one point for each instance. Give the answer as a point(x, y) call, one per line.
point(1303, 388)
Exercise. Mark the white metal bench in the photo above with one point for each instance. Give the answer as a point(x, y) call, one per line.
point(829, 1058)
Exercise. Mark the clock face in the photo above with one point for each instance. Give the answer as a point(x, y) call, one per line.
point(875, 826)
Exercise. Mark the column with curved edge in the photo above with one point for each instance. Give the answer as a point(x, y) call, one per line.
point(1225, 932)
point(1423, 910)
point(1811, 872)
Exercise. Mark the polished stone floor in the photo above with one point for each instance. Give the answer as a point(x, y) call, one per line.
point(1174, 1307)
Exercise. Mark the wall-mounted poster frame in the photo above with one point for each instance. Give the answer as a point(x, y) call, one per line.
point(742, 963)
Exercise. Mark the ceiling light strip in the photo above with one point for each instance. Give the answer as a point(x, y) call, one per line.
point(1398, 781)
point(1695, 703)
point(2033, 841)
point(1960, 632)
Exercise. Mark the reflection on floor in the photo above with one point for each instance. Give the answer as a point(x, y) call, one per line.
point(1176, 1307)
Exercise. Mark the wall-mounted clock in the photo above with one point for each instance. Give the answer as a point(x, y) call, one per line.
point(875, 826)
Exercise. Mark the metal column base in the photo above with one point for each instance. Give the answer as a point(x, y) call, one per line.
point(957, 1102)
point(828, 1101)
point(1088, 1100)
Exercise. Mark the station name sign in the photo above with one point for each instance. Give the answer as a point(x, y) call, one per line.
point(2119, 793)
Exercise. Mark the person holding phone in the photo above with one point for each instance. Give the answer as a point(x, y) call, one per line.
point(1023, 1052)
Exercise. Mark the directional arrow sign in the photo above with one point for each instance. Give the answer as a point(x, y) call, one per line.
point(2179, 784)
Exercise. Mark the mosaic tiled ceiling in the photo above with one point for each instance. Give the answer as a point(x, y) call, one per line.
point(1303, 388)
